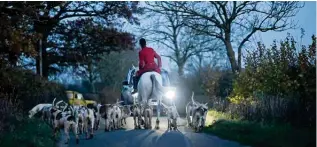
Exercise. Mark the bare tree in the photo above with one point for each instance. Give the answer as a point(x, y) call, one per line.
point(235, 22)
point(113, 68)
point(169, 30)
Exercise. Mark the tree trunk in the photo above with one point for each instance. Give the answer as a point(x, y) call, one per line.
point(90, 75)
point(45, 65)
point(180, 69)
point(239, 58)
point(200, 69)
point(231, 54)
point(37, 60)
point(43, 27)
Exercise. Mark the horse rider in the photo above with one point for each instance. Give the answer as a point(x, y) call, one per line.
point(146, 62)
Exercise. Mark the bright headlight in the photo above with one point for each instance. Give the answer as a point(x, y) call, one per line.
point(170, 94)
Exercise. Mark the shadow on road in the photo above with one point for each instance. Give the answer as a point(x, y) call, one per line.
point(129, 137)
point(173, 139)
point(135, 138)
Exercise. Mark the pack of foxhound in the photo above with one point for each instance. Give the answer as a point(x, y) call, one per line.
point(84, 120)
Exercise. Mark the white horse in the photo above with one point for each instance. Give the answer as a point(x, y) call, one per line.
point(149, 87)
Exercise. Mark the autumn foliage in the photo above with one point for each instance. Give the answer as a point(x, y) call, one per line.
point(278, 84)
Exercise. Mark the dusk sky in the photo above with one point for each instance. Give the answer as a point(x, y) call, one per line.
point(306, 18)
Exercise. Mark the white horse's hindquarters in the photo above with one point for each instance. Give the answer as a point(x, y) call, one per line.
point(145, 85)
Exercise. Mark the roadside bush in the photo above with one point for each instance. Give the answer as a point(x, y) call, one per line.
point(262, 135)
point(10, 114)
point(28, 89)
point(218, 86)
point(16, 130)
point(20, 91)
point(278, 84)
point(28, 133)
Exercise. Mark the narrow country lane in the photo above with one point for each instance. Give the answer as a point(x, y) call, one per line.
point(128, 137)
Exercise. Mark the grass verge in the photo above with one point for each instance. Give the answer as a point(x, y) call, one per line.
point(259, 135)
point(28, 133)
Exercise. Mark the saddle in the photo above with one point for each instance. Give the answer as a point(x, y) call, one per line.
point(165, 77)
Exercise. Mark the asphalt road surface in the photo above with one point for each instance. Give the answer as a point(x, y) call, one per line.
point(129, 137)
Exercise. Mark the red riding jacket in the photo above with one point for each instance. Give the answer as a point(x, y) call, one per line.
point(146, 61)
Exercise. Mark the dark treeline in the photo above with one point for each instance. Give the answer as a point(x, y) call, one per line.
point(68, 34)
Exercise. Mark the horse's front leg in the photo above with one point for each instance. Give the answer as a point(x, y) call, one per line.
point(150, 120)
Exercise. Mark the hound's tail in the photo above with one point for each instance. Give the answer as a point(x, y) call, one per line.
point(193, 101)
point(157, 89)
point(165, 106)
point(53, 102)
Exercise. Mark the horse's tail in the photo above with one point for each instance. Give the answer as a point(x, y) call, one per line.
point(157, 89)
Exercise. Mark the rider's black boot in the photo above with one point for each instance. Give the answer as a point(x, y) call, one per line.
point(135, 85)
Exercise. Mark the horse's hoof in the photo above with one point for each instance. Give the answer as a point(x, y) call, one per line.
point(77, 141)
point(91, 136)
point(157, 127)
